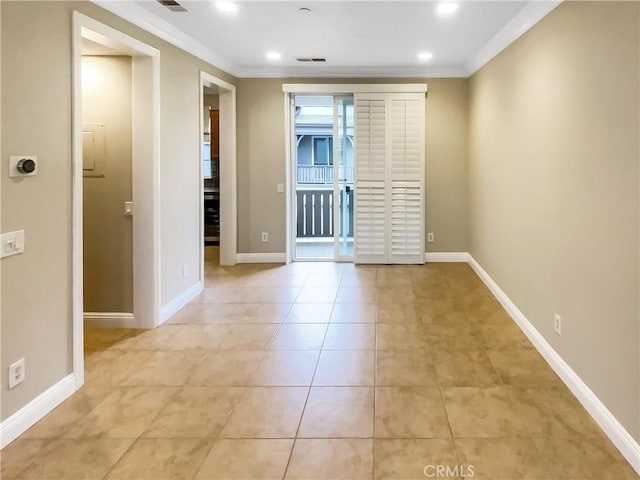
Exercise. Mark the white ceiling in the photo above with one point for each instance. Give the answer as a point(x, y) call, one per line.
point(358, 38)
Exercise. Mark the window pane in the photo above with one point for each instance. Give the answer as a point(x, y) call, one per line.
point(323, 150)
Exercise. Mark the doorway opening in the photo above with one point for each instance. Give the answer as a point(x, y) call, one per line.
point(218, 202)
point(323, 177)
point(115, 182)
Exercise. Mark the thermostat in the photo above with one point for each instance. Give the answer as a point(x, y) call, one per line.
point(23, 165)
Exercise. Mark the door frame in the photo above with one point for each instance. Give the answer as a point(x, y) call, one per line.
point(145, 178)
point(228, 170)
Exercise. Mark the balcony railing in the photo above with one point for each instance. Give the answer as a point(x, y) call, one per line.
point(322, 174)
point(315, 213)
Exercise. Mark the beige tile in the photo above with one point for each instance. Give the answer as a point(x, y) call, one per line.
point(238, 337)
point(358, 294)
point(310, 313)
point(483, 412)
point(324, 280)
point(338, 412)
point(359, 277)
point(125, 413)
point(335, 459)
point(299, 337)
point(250, 459)
point(76, 459)
point(548, 412)
point(227, 294)
point(194, 412)
point(506, 336)
point(161, 458)
point(452, 336)
point(276, 294)
point(286, 368)
point(66, 415)
point(410, 412)
point(209, 313)
point(353, 313)
point(226, 368)
point(400, 337)
point(398, 295)
point(481, 308)
point(98, 339)
point(405, 368)
point(523, 368)
point(163, 368)
point(266, 412)
point(464, 368)
point(165, 337)
point(583, 458)
point(111, 367)
point(502, 458)
point(414, 459)
point(398, 313)
point(265, 313)
point(441, 310)
point(317, 295)
point(345, 368)
point(350, 336)
point(19, 455)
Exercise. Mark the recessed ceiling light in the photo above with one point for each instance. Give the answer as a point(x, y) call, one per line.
point(227, 6)
point(274, 56)
point(304, 10)
point(446, 9)
point(425, 55)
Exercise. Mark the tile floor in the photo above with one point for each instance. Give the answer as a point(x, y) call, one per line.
point(320, 371)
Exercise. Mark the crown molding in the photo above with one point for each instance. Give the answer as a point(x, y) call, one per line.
point(520, 24)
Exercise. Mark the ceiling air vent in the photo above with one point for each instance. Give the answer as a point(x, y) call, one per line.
point(311, 60)
point(172, 5)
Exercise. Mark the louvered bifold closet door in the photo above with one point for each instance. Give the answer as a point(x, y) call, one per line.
point(407, 178)
point(389, 178)
point(371, 206)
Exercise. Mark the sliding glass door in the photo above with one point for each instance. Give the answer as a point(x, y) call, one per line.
point(323, 177)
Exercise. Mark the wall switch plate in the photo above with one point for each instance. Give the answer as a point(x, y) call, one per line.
point(17, 373)
point(280, 188)
point(264, 237)
point(557, 324)
point(14, 160)
point(128, 208)
point(185, 270)
point(12, 243)
point(430, 237)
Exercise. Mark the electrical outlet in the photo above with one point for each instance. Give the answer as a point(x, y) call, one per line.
point(17, 372)
point(264, 237)
point(430, 237)
point(557, 324)
point(185, 270)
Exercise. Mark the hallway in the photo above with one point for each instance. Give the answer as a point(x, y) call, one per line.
point(320, 371)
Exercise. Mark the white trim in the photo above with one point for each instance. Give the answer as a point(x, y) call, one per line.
point(629, 448)
point(262, 258)
point(521, 23)
point(290, 176)
point(145, 173)
point(345, 88)
point(110, 319)
point(326, 71)
point(446, 257)
point(27, 416)
point(180, 301)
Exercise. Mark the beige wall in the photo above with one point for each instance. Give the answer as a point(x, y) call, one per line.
point(554, 191)
point(261, 161)
point(108, 240)
point(36, 119)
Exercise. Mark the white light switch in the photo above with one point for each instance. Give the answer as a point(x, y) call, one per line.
point(281, 188)
point(128, 208)
point(12, 243)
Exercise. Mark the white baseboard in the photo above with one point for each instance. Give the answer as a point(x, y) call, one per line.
point(110, 319)
point(446, 257)
point(175, 305)
point(27, 416)
point(262, 258)
point(620, 437)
